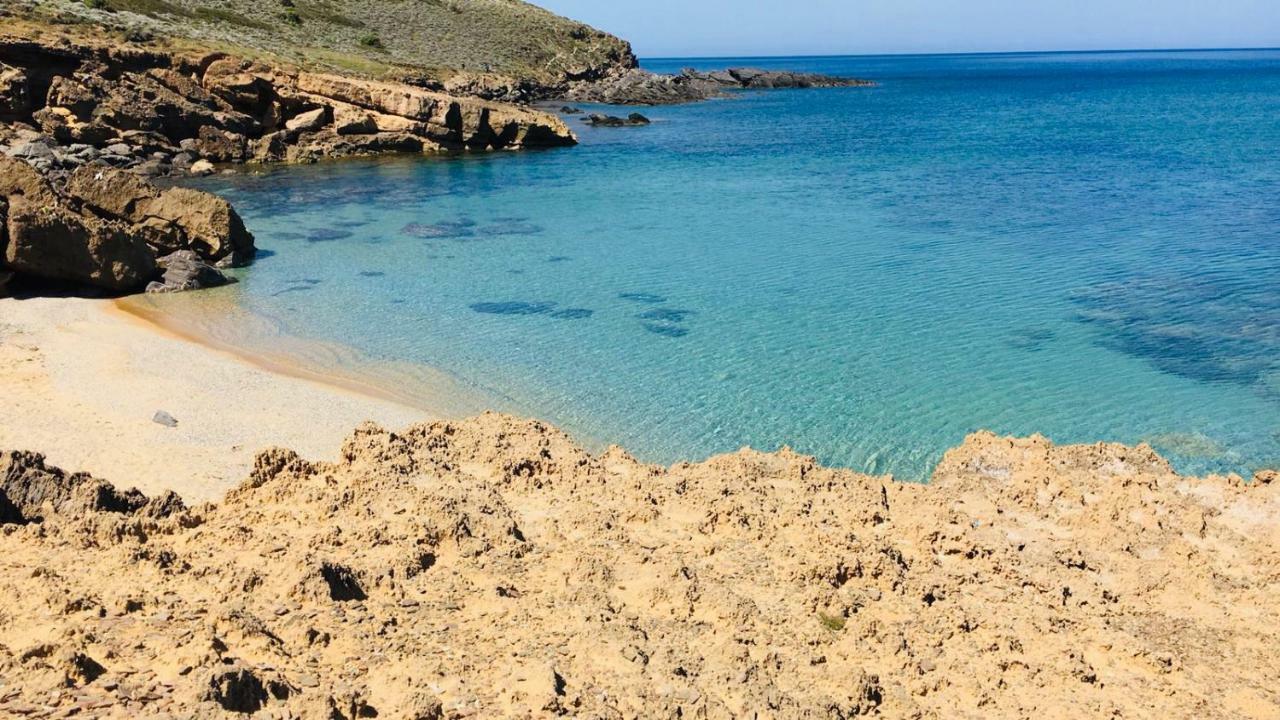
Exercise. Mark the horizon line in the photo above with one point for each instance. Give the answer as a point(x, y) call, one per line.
point(961, 54)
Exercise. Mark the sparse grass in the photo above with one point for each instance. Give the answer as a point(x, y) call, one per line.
point(505, 37)
point(833, 623)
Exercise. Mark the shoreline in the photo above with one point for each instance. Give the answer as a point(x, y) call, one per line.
point(84, 378)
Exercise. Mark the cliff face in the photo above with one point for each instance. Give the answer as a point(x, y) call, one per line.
point(492, 568)
point(501, 49)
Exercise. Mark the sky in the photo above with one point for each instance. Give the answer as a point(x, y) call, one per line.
point(685, 28)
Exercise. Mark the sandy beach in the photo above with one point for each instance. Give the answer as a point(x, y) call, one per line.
point(83, 381)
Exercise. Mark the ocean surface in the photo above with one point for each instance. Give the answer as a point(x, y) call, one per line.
point(1081, 245)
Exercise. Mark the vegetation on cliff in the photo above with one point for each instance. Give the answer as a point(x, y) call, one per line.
point(499, 48)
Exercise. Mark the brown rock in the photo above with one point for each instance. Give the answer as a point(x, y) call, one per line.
point(183, 271)
point(20, 180)
point(54, 243)
point(15, 92)
point(221, 146)
point(213, 229)
point(309, 120)
point(111, 191)
point(348, 120)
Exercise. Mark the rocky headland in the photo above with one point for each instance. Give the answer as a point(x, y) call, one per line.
point(493, 568)
point(633, 86)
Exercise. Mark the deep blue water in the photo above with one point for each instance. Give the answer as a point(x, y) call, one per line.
point(1083, 245)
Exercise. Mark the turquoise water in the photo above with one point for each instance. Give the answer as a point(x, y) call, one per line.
point(1082, 245)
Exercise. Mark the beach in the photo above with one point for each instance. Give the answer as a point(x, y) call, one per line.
point(83, 381)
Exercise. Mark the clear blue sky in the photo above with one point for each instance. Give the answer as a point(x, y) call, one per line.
point(668, 28)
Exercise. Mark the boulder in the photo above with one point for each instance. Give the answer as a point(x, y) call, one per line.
point(51, 242)
point(184, 270)
point(599, 120)
point(309, 120)
point(348, 120)
point(111, 191)
point(213, 229)
point(18, 179)
point(220, 146)
point(15, 92)
point(201, 168)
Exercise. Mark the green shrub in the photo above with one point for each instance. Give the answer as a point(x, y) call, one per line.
point(292, 17)
point(96, 4)
point(370, 40)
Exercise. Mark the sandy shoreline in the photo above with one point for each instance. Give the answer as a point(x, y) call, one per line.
point(83, 380)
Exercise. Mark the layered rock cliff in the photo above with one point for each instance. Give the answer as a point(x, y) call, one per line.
point(160, 111)
point(492, 568)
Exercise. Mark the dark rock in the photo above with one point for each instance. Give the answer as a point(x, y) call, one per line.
point(28, 487)
point(640, 87)
point(570, 110)
point(236, 689)
point(599, 120)
point(343, 584)
point(183, 271)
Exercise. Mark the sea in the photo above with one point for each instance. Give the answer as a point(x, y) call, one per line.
point(1081, 245)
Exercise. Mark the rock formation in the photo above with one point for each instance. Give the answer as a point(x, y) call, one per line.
point(599, 120)
point(492, 568)
point(69, 104)
point(108, 229)
point(633, 86)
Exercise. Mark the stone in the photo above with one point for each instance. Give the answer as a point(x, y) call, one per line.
point(163, 418)
point(201, 168)
point(309, 120)
point(111, 191)
point(213, 228)
point(53, 243)
point(15, 92)
point(18, 179)
point(348, 120)
point(600, 120)
point(183, 271)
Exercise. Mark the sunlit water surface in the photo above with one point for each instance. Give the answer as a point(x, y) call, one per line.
point(1082, 245)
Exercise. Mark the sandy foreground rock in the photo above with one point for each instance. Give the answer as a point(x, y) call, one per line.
point(492, 568)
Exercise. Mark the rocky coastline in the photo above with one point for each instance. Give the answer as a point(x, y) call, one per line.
point(634, 86)
point(492, 568)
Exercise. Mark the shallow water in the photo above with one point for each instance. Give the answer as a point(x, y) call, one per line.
point(1083, 245)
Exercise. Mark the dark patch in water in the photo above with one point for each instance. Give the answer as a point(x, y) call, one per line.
point(512, 228)
point(646, 298)
point(328, 235)
point(295, 288)
point(1031, 339)
point(516, 272)
point(513, 308)
point(572, 314)
point(1212, 329)
point(558, 259)
point(371, 273)
point(669, 315)
point(511, 219)
point(289, 235)
point(459, 229)
point(351, 223)
point(263, 254)
point(673, 331)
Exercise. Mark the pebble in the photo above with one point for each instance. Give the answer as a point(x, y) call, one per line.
point(163, 418)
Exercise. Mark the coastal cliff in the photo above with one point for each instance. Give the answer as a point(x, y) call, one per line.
point(491, 567)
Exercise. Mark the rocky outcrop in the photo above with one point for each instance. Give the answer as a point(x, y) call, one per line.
point(493, 568)
point(600, 120)
point(159, 113)
point(105, 228)
point(634, 86)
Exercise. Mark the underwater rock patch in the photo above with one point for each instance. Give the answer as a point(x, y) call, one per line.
point(371, 273)
point(647, 298)
point(513, 308)
point(327, 235)
point(558, 259)
point(572, 314)
point(666, 315)
point(513, 228)
point(448, 229)
point(665, 330)
point(1204, 328)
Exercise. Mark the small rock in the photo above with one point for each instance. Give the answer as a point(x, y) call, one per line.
point(163, 418)
point(201, 168)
